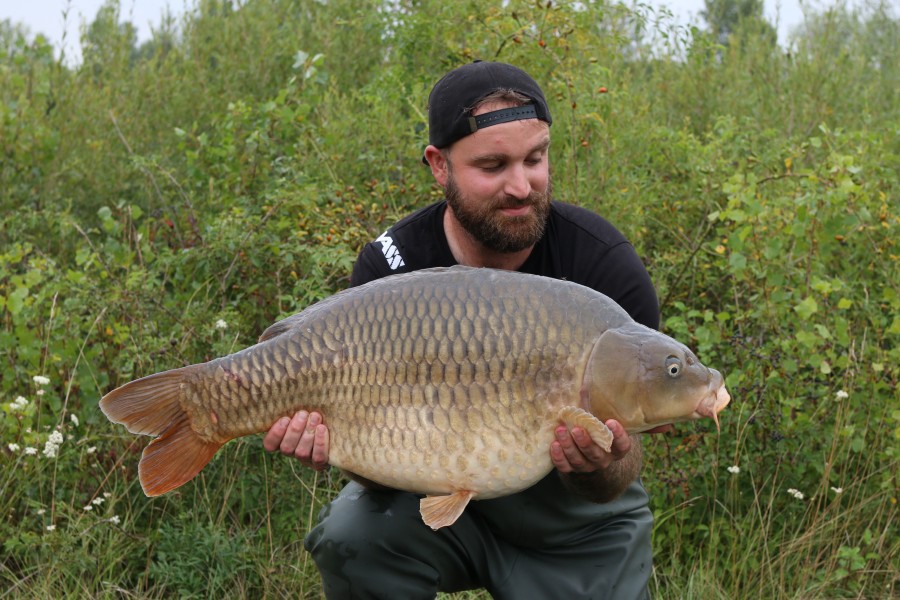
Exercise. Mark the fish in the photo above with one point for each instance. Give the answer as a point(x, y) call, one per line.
point(444, 382)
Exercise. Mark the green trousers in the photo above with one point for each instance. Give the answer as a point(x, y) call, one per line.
point(543, 543)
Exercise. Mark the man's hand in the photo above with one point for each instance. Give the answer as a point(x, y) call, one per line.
point(589, 470)
point(575, 452)
point(303, 436)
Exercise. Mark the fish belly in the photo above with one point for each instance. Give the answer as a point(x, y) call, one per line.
point(430, 460)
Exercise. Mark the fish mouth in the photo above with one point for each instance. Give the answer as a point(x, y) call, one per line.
point(715, 401)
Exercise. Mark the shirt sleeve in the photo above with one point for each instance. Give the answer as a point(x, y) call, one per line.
point(370, 265)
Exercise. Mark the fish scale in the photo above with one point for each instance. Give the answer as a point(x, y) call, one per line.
point(445, 382)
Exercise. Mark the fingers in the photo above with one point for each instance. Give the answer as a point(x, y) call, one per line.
point(621, 440)
point(307, 438)
point(275, 434)
point(320, 448)
point(575, 452)
point(300, 436)
point(303, 436)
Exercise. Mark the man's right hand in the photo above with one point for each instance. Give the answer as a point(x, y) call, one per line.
point(303, 436)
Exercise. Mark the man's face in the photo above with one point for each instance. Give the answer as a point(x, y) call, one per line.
point(498, 183)
point(505, 224)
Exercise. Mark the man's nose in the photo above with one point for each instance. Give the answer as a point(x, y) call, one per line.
point(517, 184)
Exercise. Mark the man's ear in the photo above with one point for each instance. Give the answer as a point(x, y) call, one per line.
point(438, 163)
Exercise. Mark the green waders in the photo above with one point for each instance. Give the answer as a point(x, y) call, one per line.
point(543, 543)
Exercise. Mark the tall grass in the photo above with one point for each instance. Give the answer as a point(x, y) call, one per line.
point(161, 205)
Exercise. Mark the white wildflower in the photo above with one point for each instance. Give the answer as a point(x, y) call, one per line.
point(837, 490)
point(40, 392)
point(29, 451)
point(41, 511)
point(91, 450)
point(13, 447)
point(221, 324)
point(51, 527)
point(40, 380)
point(98, 501)
point(52, 445)
point(89, 507)
point(107, 494)
point(115, 520)
point(19, 403)
point(796, 493)
point(74, 419)
point(841, 395)
point(734, 470)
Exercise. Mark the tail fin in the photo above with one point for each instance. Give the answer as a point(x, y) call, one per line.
point(151, 406)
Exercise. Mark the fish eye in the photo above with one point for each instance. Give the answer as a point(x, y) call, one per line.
point(673, 366)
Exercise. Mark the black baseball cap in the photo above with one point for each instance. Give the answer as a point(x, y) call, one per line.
point(452, 99)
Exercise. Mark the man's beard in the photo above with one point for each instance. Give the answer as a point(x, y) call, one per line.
point(493, 229)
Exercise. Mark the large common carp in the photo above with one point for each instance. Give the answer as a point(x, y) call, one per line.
point(444, 382)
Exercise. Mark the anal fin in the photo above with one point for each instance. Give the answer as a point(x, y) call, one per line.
point(441, 511)
point(573, 416)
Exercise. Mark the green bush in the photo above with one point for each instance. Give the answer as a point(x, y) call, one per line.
point(162, 204)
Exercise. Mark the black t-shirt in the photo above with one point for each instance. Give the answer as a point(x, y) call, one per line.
point(578, 245)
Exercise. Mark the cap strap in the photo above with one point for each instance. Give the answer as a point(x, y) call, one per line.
point(504, 115)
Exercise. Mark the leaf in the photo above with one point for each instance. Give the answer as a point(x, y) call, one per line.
point(807, 308)
point(75, 277)
point(16, 301)
point(300, 59)
point(895, 326)
point(808, 339)
point(823, 332)
point(737, 262)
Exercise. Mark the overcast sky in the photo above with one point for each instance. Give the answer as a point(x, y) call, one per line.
point(46, 16)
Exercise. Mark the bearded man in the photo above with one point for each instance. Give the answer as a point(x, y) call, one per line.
point(584, 530)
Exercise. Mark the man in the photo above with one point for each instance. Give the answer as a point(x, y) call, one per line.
point(584, 530)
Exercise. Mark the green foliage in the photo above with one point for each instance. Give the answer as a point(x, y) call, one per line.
point(194, 560)
point(162, 205)
point(793, 294)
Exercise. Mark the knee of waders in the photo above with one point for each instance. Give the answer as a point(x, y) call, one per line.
point(363, 525)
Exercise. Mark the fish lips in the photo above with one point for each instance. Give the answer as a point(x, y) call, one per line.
point(716, 399)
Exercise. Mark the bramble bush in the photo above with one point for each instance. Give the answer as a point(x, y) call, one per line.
point(162, 204)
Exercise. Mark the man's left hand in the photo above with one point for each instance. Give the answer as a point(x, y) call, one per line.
point(575, 452)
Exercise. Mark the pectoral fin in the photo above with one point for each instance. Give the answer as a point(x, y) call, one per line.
point(573, 416)
point(441, 511)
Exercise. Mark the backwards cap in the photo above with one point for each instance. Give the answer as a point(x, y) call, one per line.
point(453, 97)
